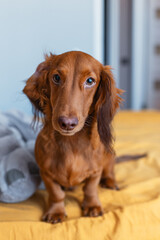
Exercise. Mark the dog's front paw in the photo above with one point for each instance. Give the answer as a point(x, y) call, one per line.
point(93, 211)
point(54, 217)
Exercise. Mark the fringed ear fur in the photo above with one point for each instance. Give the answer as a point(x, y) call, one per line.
point(37, 89)
point(108, 101)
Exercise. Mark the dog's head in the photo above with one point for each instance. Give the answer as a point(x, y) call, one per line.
point(71, 87)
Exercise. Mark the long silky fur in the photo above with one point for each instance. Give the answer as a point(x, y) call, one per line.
point(107, 104)
point(37, 90)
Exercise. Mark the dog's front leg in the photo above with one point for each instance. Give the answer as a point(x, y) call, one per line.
point(56, 211)
point(91, 205)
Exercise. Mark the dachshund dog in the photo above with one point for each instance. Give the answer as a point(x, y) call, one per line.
point(78, 99)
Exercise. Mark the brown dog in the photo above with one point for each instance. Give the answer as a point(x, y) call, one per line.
point(78, 98)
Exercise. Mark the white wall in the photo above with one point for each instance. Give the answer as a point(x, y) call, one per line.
point(113, 37)
point(30, 28)
point(140, 54)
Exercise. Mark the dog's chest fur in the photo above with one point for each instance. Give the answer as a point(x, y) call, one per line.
point(71, 165)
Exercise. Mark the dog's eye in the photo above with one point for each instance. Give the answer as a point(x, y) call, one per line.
point(56, 79)
point(89, 82)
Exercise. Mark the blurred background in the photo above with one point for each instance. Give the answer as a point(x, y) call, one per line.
point(122, 33)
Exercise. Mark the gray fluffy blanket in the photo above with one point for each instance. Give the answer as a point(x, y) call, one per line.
point(19, 174)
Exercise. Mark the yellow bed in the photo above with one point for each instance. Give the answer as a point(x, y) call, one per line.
point(131, 213)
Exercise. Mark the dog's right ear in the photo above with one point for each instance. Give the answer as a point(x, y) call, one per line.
point(37, 87)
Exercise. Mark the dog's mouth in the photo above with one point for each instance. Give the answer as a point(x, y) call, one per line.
point(67, 132)
point(72, 132)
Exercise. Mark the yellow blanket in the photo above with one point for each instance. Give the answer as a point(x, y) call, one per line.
point(131, 213)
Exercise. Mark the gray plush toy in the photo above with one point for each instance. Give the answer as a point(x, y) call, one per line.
point(19, 173)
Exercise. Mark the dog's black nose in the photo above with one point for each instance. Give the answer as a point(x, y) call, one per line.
point(67, 123)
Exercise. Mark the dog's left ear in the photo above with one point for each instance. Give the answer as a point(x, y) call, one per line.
point(37, 87)
point(108, 101)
